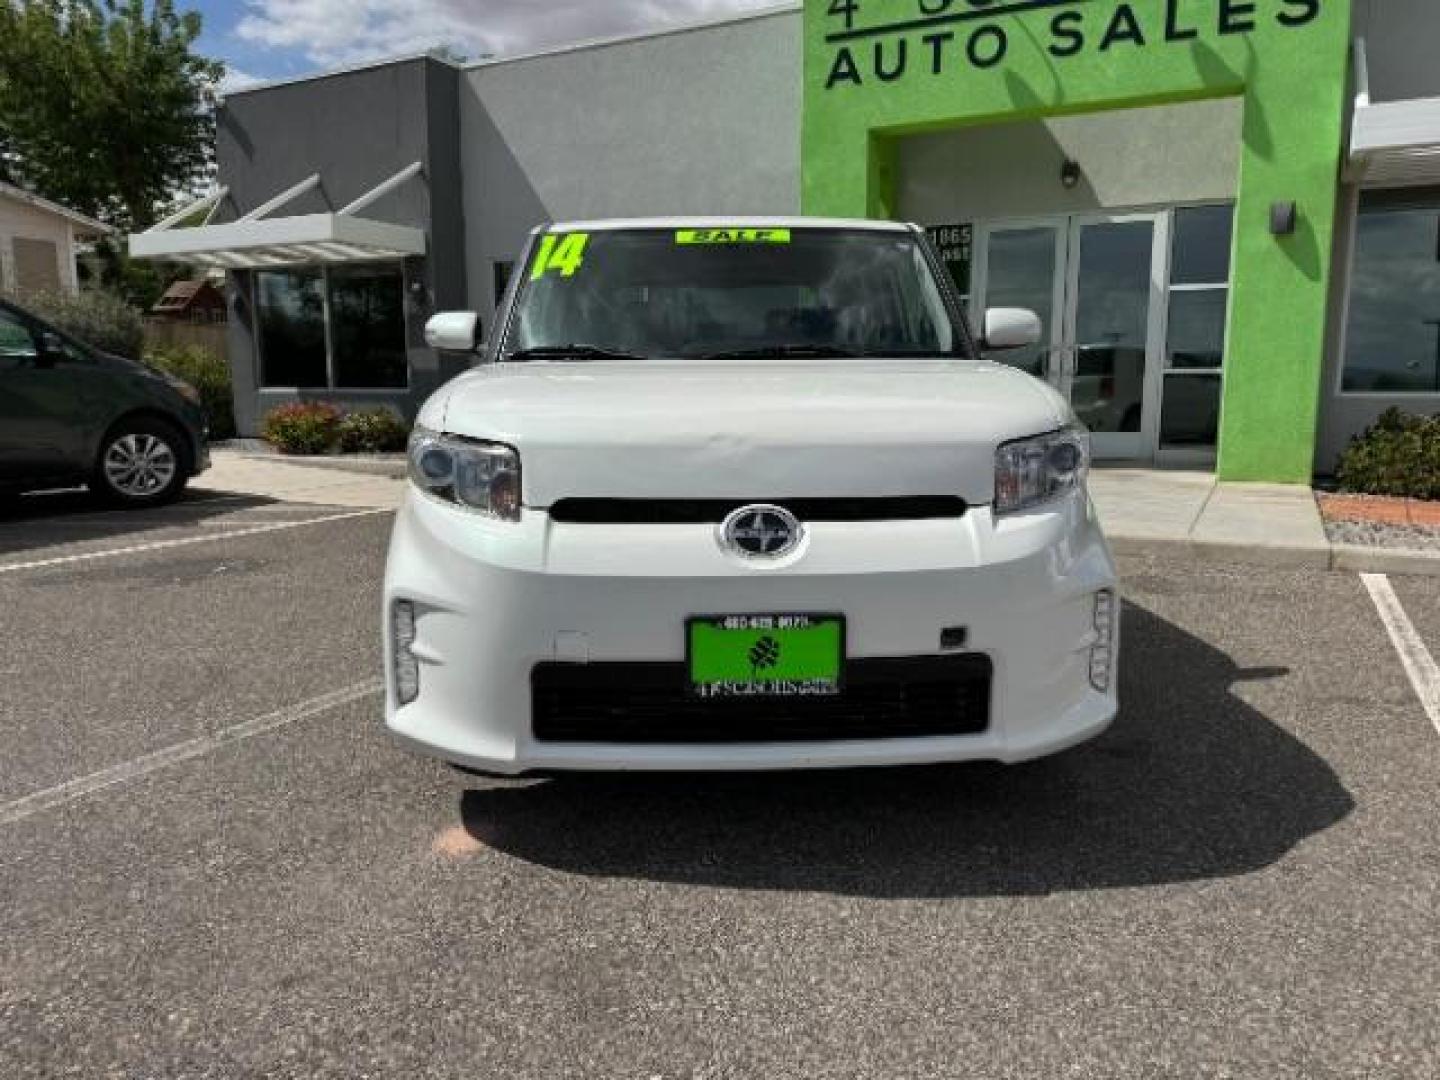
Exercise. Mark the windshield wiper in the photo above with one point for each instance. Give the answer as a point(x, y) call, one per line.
point(780, 352)
point(574, 351)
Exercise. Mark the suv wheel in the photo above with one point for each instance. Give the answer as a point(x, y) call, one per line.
point(142, 463)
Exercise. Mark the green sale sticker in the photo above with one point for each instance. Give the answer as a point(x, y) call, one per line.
point(732, 236)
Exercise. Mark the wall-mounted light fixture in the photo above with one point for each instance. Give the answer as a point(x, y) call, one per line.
point(421, 303)
point(1070, 173)
point(1282, 219)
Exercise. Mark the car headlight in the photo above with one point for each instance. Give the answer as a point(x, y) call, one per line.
point(1032, 471)
point(476, 475)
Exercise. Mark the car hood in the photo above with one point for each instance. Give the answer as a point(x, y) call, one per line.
point(766, 430)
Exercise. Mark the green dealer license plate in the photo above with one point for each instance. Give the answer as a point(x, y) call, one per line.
point(766, 655)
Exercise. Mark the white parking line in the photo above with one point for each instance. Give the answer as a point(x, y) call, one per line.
point(172, 755)
point(168, 515)
point(1424, 672)
point(161, 545)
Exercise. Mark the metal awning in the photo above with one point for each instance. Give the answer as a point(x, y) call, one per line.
point(255, 240)
point(1392, 143)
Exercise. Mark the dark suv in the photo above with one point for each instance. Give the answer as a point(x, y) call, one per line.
point(72, 414)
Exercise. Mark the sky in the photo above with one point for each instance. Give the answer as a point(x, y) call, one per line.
point(260, 40)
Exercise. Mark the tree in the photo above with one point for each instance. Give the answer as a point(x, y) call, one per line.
point(104, 106)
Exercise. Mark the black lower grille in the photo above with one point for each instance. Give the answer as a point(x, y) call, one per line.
point(895, 698)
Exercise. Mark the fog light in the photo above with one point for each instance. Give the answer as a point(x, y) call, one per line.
point(407, 667)
point(1102, 653)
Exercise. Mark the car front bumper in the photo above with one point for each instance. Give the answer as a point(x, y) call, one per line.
point(494, 599)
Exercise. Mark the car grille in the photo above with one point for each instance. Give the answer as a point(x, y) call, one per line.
point(893, 698)
point(712, 511)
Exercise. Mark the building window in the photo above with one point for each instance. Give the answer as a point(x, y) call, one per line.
point(291, 305)
point(1392, 343)
point(1195, 337)
point(1020, 272)
point(503, 270)
point(37, 266)
point(339, 328)
point(955, 244)
point(367, 326)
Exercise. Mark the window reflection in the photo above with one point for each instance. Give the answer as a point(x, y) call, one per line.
point(1021, 273)
point(15, 341)
point(366, 332)
point(1393, 338)
point(1197, 329)
point(367, 326)
point(292, 327)
point(1112, 325)
point(1190, 415)
point(1202, 245)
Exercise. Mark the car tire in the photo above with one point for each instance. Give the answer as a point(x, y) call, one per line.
point(142, 462)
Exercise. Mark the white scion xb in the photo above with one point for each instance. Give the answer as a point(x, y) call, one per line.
point(744, 495)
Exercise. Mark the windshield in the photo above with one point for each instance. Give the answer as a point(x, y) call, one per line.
point(712, 293)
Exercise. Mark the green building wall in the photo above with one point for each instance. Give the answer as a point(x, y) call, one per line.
point(877, 70)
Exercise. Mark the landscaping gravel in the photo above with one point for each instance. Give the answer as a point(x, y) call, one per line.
point(1373, 534)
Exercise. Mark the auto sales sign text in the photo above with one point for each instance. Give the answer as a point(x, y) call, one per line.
point(936, 37)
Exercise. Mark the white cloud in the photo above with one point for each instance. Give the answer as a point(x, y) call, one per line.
point(235, 79)
point(331, 32)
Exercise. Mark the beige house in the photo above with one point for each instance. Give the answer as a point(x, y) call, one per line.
point(38, 239)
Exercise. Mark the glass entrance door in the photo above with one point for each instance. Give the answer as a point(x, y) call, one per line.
point(1112, 331)
point(1096, 281)
point(1022, 264)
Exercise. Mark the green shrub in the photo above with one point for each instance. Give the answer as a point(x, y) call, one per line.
point(306, 427)
point(373, 431)
point(1399, 456)
point(209, 374)
point(97, 318)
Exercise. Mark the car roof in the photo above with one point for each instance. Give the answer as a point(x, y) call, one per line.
point(760, 222)
point(11, 306)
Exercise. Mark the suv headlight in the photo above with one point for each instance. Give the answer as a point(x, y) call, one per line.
point(1032, 471)
point(476, 475)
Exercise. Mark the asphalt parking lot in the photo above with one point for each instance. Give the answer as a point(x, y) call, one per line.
point(214, 864)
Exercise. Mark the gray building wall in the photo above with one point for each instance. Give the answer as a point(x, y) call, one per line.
point(1400, 41)
point(355, 128)
point(699, 121)
point(1130, 158)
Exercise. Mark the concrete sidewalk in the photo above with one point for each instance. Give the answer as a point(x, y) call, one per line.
point(242, 474)
point(1146, 510)
point(1166, 512)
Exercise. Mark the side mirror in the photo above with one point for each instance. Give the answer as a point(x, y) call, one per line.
point(454, 331)
point(1011, 328)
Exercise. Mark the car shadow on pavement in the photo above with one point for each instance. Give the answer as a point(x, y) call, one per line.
point(1190, 783)
point(74, 516)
